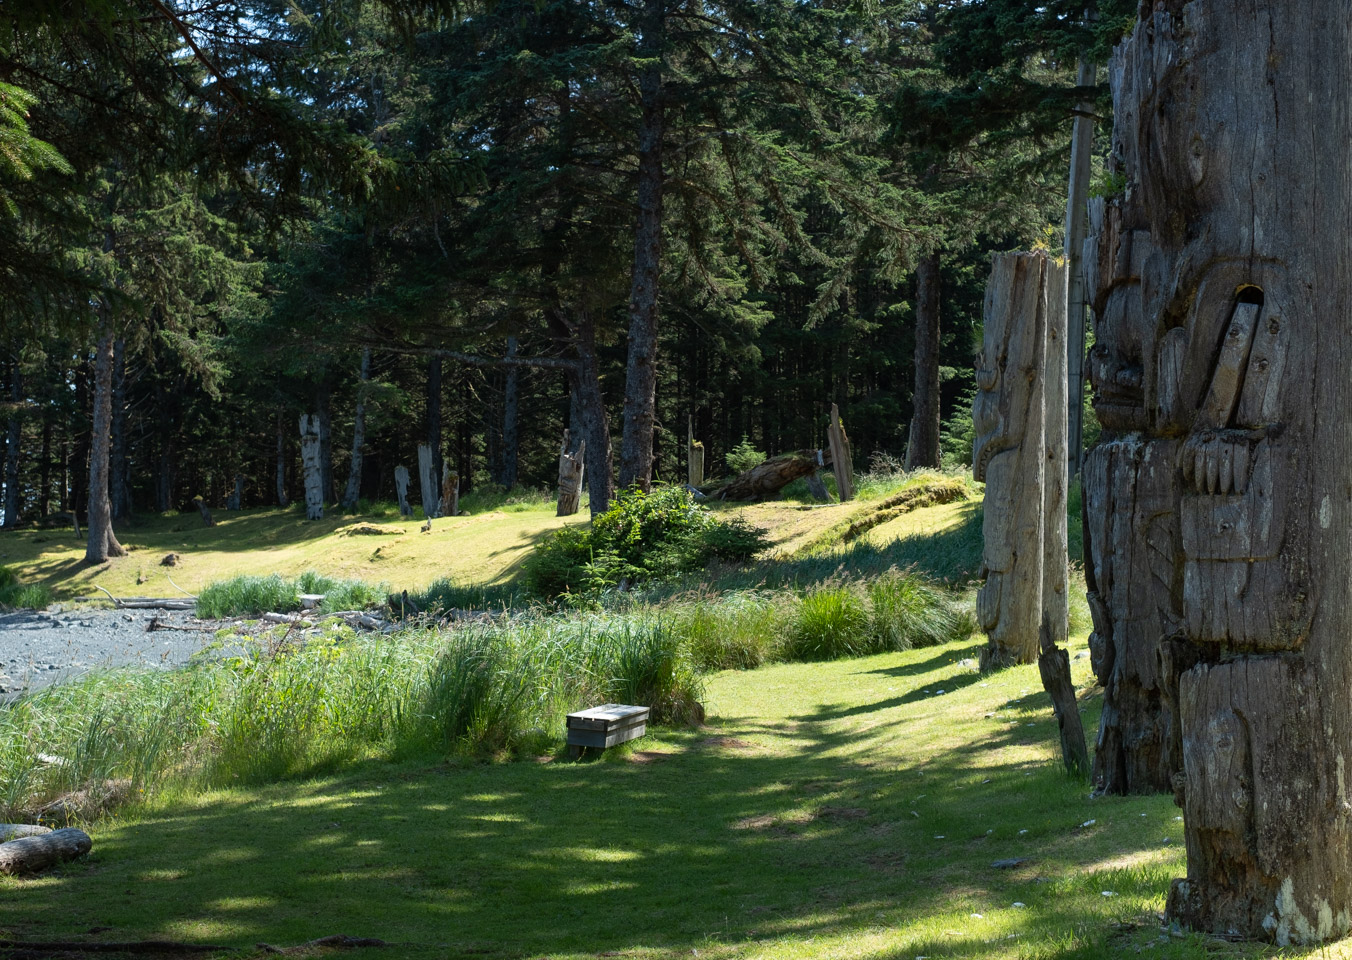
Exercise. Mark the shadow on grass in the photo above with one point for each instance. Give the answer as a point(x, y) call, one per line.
point(751, 830)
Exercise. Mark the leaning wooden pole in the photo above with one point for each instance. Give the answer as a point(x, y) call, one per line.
point(572, 467)
point(1220, 513)
point(842, 460)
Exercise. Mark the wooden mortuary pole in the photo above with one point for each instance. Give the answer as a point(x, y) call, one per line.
point(1219, 512)
point(309, 455)
point(1020, 453)
point(841, 458)
point(571, 468)
point(694, 455)
point(427, 482)
point(450, 491)
point(401, 488)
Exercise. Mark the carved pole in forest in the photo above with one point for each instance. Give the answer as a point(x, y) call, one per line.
point(694, 455)
point(314, 476)
point(841, 458)
point(1219, 516)
point(571, 469)
point(1081, 153)
point(1020, 453)
point(450, 492)
point(401, 488)
point(427, 482)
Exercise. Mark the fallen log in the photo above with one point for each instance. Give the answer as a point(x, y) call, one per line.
point(14, 831)
point(149, 603)
point(37, 853)
point(767, 479)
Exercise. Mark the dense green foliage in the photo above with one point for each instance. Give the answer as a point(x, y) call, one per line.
point(642, 537)
point(248, 596)
point(16, 595)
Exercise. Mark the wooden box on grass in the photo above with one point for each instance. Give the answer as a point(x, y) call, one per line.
point(605, 726)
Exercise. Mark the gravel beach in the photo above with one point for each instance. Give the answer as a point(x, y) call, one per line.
point(40, 648)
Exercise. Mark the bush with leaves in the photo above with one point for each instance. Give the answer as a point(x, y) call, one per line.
point(644, 536)
point(743, 457)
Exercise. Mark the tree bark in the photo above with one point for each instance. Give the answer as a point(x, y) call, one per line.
point(842, 457)
point(511, 405)
point(314, 474)
point(450, 493)
point(119, 483)
point(13, 438)
point(401, 488)
point(594, 425)
point(1221, 358)
point(283, 500)
point(164, 475)
point(353, 491)
point(922, 449)
point(640, 386)
point(1081, 154)
point(45, 468)
point(101, 543)
point(1020, 453)
point(324, 425)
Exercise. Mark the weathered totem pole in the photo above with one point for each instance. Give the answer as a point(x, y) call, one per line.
point(1020, 453)
point(401, 488)
point(572, 467)
point(427, 482)
point(1219, 509)
point(309, 456)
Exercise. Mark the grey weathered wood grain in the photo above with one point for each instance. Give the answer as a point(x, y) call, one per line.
point(1219, 509)
point(842, 461)
point(427, 482)
point(37, 853)
point(572, 468)
point(310, 462)
point(401, 488)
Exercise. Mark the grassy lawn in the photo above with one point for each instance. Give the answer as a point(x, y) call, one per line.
point(844, 809)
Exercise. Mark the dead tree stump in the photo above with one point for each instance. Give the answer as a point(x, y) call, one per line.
point(401, 488)
point(571, 469)
point(842, 461)
point(1219, 512)
point(314, 476)
point(427, 482)
point(1020, 453)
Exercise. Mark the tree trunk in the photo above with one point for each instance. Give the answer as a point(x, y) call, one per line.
point(236, 501)
point(511, 405)
point(77, 466)
point(13, 438)
point(434, 412)
point(922, 449)
point(640, 384)
point(571, 471)
point(45, 476)
point(283, 500)
point(427, 482)
point(101, 543)
point(450, 493)
point(594, 425)
point(164, 475)
point(119, 482)
point(310, 460)
point(353, 492)
point(1233, 473)
point(1020, 444)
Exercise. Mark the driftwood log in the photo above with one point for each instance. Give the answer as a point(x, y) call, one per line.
point(427, 482)
point(310, 462)
point(401, 488)
point(842, 460)
point(766, 480)
point(1020, 454)
point(37, 853)
point(1219, 517)
point(13, 831)
point(572, 466)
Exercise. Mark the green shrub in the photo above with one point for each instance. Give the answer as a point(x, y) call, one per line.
point(444, 594)
point(739, 631)
point(20, 596)
point(743, 457)
point(830, 622)
point(642, 537)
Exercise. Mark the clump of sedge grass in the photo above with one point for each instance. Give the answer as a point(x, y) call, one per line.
point(21, 596)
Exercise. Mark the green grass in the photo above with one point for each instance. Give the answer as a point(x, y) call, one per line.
point(849, 809)
point(247, 596)
point(15, 595)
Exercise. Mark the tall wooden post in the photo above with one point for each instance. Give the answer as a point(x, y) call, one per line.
point(572, 466)
point(1219, 519)
point(694, 455)
point(842, 461)
point(450, 492)
point(427, 482)
point(401, 488)
point(309, 455)
point(1081, 152)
